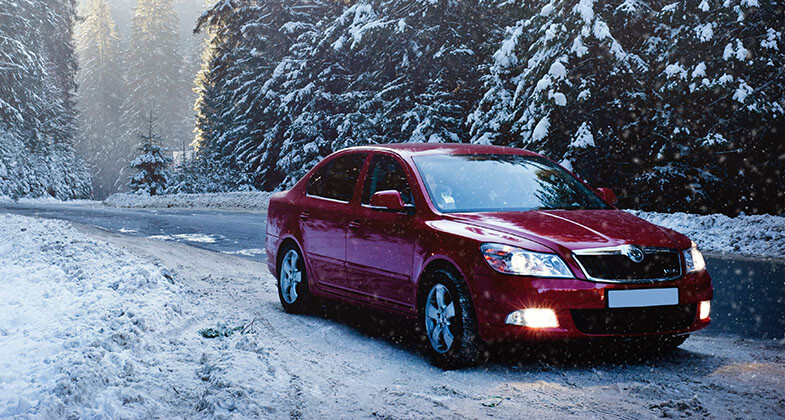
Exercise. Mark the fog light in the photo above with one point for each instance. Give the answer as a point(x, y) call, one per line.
point(704, 309)
point(533, 318)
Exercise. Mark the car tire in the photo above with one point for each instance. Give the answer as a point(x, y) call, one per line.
point(293, 281)
point(448, 321)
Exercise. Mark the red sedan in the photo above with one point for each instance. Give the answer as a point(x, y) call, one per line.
point(481, 244)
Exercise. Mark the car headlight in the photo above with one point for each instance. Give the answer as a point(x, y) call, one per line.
point(511, 260)
point(693, 259)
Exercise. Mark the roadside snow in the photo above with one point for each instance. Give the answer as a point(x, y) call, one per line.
point(757, 235)
point(256, 201)
point(84, 326)
point(93, 326)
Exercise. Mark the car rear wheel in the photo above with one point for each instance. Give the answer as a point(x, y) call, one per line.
point(450, 324)
point(293, 282)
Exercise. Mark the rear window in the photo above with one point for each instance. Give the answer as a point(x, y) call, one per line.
point(337, 179)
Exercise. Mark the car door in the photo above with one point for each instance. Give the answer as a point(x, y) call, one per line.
point(324, 215)
point(380, 243)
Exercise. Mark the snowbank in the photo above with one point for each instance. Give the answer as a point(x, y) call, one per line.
point(231, 200)
point(758, 235)
point(81, 324)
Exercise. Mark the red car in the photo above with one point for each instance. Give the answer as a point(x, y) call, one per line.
point(481, 244)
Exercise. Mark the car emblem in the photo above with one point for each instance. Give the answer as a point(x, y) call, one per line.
point(633, 252)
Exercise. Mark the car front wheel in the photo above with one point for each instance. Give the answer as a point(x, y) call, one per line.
point(450, 324)
point(293, 282)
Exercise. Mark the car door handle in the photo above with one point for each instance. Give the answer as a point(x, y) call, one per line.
point(304, 215)
point(354, 224)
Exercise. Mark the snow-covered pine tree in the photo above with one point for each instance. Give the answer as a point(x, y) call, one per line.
point(37, 108)
point(153, 64)
point(655, 99)
point(720, 74)
point(568, 82)
point(248, 40)
point(100, 96)
point(151, 166)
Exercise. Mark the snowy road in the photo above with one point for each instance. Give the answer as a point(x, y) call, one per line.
point(749, 293)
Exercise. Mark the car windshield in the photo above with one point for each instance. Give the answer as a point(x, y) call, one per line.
point(497, 182)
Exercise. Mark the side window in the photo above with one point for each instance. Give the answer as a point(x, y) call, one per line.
point(385, 173)
point(337, 179)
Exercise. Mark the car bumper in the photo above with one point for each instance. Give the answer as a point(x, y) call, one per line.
point(581, 308)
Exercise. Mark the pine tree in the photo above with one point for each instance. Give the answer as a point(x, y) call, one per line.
point(153, 64)
point(721, 71)
point(565, 81)
point(100, 96)
point(655, 99)
point(248, 40)
point(37, 106)
point(151, 165)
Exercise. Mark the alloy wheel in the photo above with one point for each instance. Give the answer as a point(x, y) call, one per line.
point(291, 276)
point(439, 317)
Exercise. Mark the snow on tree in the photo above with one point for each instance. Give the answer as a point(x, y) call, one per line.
point(567, 82)
point(720, 67)
point(100, 96)
point(248, 39)
point(654, 99)
point(37, 106)
point(151, 165)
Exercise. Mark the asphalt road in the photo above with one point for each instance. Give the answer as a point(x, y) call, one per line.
point(240, 233)
point(749, 293)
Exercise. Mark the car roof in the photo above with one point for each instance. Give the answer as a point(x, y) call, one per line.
point(414, 149)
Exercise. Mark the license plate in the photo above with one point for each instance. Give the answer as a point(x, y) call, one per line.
point(643, 297)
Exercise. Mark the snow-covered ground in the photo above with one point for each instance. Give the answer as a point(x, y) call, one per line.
point(757, 235)
point(98, 325)
point(256, 201)
point(85, 328)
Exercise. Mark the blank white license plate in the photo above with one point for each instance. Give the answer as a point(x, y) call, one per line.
point(643, 297)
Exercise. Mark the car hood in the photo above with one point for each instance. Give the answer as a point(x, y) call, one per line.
point(577, 229)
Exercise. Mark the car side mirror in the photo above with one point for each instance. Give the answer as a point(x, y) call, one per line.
point(608, 195)
point(388, 200)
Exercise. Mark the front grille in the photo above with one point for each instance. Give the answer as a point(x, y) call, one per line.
point(658, 264)
point(634, 320)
